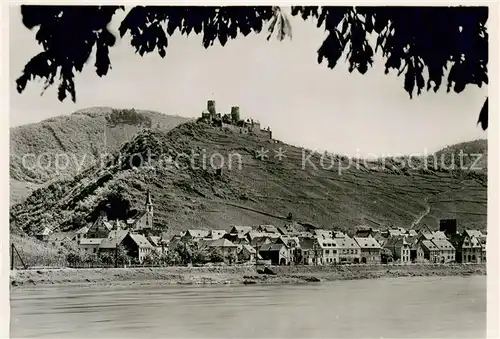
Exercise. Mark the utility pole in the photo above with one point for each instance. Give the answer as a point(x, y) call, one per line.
point(116, 255)
point(256, 256)
point(13, 249)
point(11, 257)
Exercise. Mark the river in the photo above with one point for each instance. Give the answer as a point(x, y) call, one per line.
point(443, 307)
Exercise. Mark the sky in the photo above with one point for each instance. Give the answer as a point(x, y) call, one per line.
point(277, 83)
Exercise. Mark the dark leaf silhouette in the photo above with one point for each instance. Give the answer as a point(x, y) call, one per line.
point(483, 116)
point(425, 45)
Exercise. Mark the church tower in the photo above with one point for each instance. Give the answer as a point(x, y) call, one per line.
point(149, 211)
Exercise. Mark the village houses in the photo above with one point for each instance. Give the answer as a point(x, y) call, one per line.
point(400, 248)
point(285, 244)
point(471, 247)
point(370, 249)
point(277, 253)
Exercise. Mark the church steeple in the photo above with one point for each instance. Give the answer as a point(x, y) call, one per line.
point(149, 203)
point(149, 211)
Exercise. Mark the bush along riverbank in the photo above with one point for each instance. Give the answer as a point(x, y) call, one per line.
point(233, 274)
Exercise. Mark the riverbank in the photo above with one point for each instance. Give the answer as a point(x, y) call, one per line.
point(232, 274)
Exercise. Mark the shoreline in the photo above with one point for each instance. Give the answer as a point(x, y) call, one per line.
point(231, 274)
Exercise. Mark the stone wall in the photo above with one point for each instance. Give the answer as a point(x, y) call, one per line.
point(235, 129)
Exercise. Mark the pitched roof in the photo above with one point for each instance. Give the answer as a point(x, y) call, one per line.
point(45, 231)
point(59, 236)
point(346, 242)
point(248, 249)
point(205, 242)
point(268, 229)
point(198, 233)
point(327, 242)
point(222, 243)
point(289, 240)
point(368, 242)
point(136, 218)
point(120, 234)
point(398, 241)
point(108, 243)
point(239, 240)
point(91, 241)
point(323, 234)
point(216, 234)
point(108, 225)
point(429, 245)
point(241, 229)
point(140, 240)
point(426, 235)
point(363, 228)
point(411, 233)
point(154, 240)
point(102, 219)
point(83, 230)
point(475, 242)
point(411, 239)
point(287, 229)
point(443, 244)
point(439, 235)
point(307, 243)
point(339, 234)
point(394, 232)
point(473, 233)
point(380, 239)
point(258, 235)
point(271, 247)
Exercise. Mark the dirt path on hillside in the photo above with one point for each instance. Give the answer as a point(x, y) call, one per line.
point(423, 215)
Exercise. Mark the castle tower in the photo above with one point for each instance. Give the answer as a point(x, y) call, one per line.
point(211, 108)
point(235, 114)
point(149, 210)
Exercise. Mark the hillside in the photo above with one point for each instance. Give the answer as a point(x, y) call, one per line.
point(262, 191)
point(471, 154)
point(76, 141)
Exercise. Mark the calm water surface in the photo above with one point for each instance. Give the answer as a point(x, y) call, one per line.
point(399, 308)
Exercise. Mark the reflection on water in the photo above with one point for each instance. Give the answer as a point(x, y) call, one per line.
point(413, 308)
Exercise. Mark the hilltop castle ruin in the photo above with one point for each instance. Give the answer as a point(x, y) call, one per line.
point(232, 121)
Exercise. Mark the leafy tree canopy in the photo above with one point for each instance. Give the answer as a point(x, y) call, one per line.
point(426, 45)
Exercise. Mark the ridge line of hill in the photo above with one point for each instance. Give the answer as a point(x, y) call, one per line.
point(391, 196)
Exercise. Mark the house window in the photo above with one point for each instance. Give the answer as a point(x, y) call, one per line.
point(95, 250)
point(327, 252)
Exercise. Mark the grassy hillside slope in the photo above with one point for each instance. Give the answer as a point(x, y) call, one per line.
point(262, 191)
point(78, 141)
point(471, 154)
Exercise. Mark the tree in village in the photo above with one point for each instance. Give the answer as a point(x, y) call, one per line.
point(121, 256)
point(171, 258)
point(106, 258)
point(187, 252)
point(386, 255)
point(74, 258)
point(201, 256)
point(425, 45)
point(92, 259)
point(152, 258)
point(216, 255)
